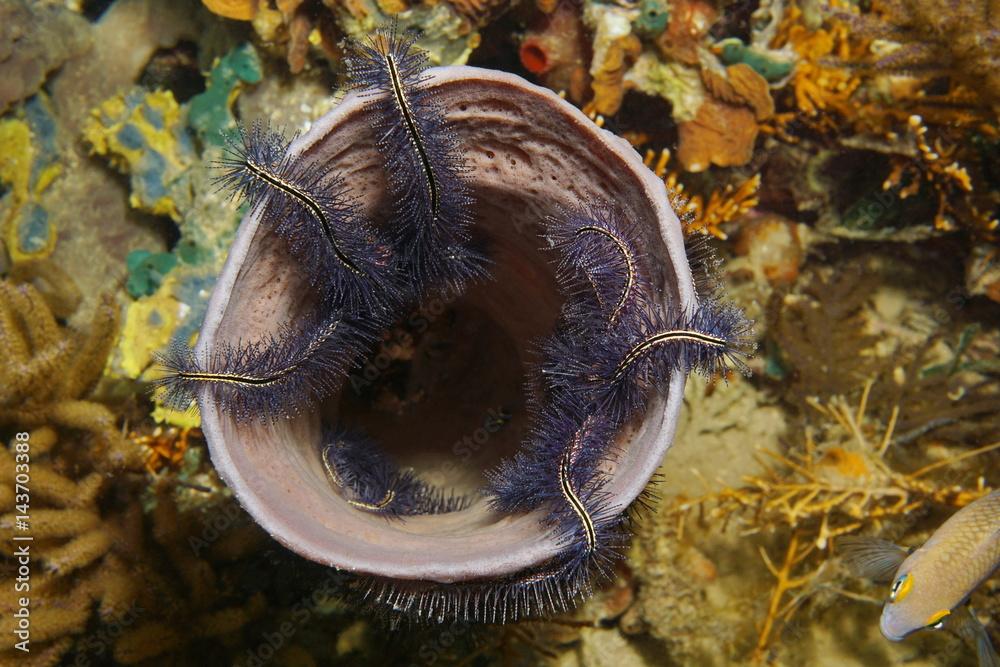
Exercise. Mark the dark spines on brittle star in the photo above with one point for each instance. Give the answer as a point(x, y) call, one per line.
point(561, 472)
point(501, 567)
point(637, 358)
point(560, 469)
point(600, 266)
point(432, 205)
point(611, 349)
point(594, 531)
point(273, 377)
point(553, 587)
point(705, 264)
point(370, 481)
point(309, 206)
point(531, 478)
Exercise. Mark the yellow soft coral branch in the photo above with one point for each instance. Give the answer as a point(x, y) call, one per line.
point(821, 490)
point(722, 207)
point(937, 166)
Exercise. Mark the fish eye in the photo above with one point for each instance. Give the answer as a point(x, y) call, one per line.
point(936, 622)
point(901, 588)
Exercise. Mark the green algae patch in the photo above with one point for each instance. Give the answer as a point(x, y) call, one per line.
point(770, 65)
point(210, 113)
point(146, 271)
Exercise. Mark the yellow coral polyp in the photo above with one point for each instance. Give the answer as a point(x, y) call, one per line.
point(848, 464)
point(818, 87)
point(698, 216)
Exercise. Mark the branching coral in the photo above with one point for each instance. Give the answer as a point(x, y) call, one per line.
point(101, 557)
point(853, 61)
point(69, 536)
point(949, 181)
point(723, 206)
point(780, 611)
point(834, 487)
point(84, 518)
point(844, 477)
point(960, 39)
point(165, 447)
point(914, 100)
point(819, 89)
point(51, 368)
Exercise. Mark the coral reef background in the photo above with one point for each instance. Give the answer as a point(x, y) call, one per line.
point(840, 159)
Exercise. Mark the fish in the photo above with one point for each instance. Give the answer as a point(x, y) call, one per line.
point(931, 585)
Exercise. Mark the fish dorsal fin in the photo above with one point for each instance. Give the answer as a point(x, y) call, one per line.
point(871, 558)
